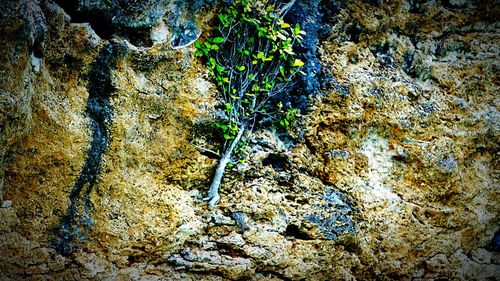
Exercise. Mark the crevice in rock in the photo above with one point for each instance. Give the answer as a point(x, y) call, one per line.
point(408, 67)
point(271, 274)
point(494, 245)
point(136, 36)
point(231, 251)
point(354, 31)
point(294, 231)
point(384, 54)
point(77, 222)
point(277, 161)
point(101, 24)
point(102, 21)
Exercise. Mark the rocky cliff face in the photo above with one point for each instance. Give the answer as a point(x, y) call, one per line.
point(392, 172)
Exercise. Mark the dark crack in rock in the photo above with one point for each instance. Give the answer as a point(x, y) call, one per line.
point(494, 245)
point(77, 222)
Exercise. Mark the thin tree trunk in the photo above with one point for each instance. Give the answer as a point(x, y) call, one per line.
point(213, 192)
point(286, 8)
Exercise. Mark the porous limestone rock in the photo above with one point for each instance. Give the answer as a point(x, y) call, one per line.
point(390, 174)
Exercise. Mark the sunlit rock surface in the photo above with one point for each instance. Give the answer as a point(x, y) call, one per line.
point(390, 174)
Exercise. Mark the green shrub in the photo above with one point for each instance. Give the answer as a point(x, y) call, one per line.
point(250, 56)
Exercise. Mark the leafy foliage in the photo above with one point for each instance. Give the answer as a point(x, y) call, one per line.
point(250, 56)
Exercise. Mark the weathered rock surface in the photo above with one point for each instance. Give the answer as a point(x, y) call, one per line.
point(391, 174)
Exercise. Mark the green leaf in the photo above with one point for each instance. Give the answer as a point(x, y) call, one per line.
point(241, 67)
point(218, 40)
point(197, 44)
point(298, 63)
point(296, 30)
point(226, 136)
point(281, 36)
point(285, 25)
point(222, 18)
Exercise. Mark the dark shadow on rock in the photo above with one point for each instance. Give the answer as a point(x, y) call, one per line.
point(77, 222)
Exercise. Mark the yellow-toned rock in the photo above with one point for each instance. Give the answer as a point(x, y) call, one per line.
point(390, 174)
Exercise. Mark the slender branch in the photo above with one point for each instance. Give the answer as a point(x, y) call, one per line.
point(286, 8)
point(213, 192)
point(208, 151)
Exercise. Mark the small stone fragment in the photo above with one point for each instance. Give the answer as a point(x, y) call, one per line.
point(6, 204)
point(241, 220)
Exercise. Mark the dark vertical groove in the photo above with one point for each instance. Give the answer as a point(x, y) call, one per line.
point(77, 223)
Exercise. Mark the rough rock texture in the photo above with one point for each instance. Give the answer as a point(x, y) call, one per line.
point(22, 24)
point(135, 20)
point(391, 174)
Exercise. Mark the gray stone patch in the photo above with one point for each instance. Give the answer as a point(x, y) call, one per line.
point(334, 216)
point(448, 164)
